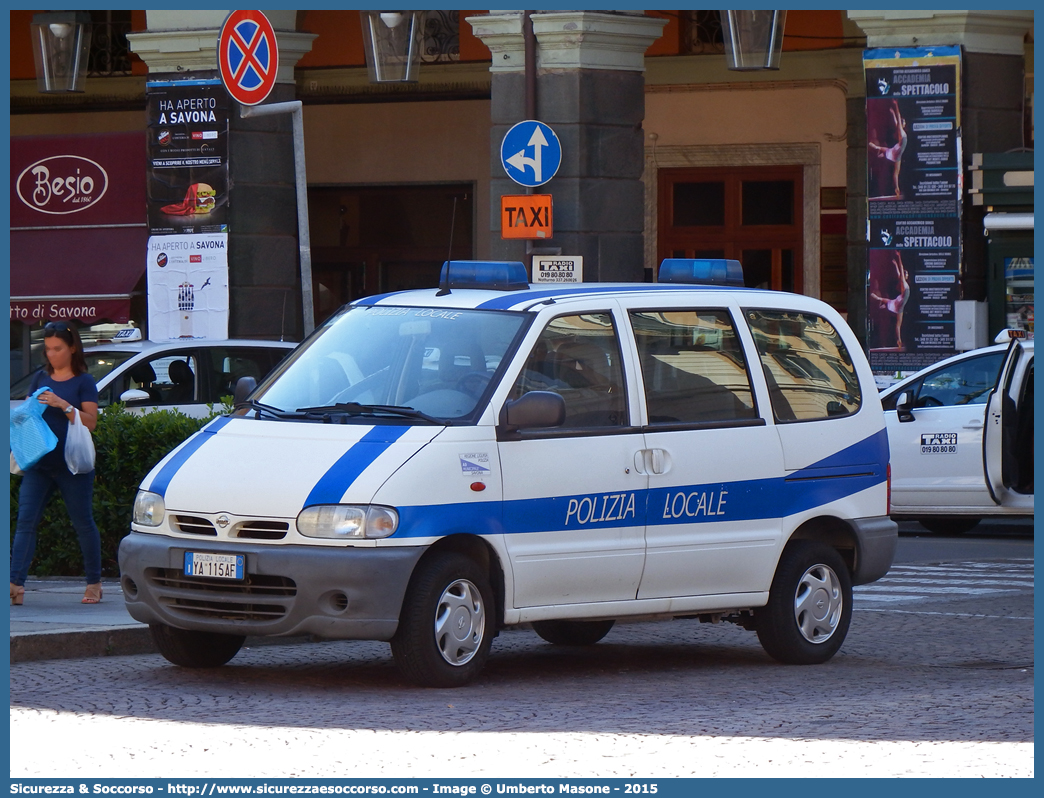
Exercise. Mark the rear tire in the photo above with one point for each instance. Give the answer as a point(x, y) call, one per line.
point(447, 622)
point(572, 633)
point(193, 649)
point(949, 526)
point(809, 607)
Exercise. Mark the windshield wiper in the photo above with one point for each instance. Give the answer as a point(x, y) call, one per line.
point(356, 409)
point(275, 412)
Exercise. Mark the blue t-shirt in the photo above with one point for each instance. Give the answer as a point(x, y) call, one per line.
point(75, 391)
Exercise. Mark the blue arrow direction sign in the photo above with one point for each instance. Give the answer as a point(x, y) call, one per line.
point(531, 153)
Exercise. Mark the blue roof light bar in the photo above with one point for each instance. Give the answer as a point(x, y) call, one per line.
point(492, 275)
point(701, 271)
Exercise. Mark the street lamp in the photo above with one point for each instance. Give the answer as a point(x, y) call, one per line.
point(393, 41)
point(753, 39)
point(61, 43)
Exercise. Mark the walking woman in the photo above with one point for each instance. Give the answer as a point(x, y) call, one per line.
point(70, 388)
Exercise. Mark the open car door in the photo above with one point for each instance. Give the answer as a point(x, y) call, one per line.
point(1007, 441)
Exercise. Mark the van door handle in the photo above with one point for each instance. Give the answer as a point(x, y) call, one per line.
point(974, 424)
point(639, 461)
point(661, 461)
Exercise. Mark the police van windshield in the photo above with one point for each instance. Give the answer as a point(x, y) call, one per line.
point(367, 360)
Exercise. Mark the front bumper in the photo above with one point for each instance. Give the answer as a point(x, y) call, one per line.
point(348, 594)
point(876, 539)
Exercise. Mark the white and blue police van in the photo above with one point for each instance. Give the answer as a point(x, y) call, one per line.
point(433, 466)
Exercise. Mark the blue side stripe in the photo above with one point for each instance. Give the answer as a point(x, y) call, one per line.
point(161, 481)
point(869, 451)
point(340, 476)
point(842, 474)
point(513, 298)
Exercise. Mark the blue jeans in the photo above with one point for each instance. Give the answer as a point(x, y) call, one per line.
point(38, 485)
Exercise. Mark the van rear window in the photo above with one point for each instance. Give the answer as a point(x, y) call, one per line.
point(808, 369)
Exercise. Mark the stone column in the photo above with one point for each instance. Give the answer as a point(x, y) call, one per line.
point(264, 278)
point(591, 91)
point(993, 74)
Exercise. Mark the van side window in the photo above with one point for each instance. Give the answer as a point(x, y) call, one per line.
point(693, 366)
point(808, 369)
point(578, 357)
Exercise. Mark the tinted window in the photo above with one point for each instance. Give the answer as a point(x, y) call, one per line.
point(226, 365)
point(176, 379)
point(693, 366)
point(808, 369)
point(578, 357)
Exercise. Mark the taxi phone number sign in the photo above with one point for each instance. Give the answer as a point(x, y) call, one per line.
point(939, 443)
point(525, 216)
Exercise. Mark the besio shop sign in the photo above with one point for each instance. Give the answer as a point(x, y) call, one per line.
point(62, 184)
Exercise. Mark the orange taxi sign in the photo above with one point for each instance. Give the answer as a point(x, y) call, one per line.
point(525, 216)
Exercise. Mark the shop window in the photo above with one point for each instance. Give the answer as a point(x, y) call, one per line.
point(752, 214)
point(375, 239)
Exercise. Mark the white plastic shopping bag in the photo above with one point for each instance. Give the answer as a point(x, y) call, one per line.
point(79, 446)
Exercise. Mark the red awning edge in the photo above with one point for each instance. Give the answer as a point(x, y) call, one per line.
point(85, 309)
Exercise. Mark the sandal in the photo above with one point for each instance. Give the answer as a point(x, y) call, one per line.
point(17, 594)
point(93, 594)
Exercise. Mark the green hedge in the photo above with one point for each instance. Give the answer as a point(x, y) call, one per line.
point(128, 445)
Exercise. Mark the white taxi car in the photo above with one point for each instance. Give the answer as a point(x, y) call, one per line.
point(432, 466)
point(961, 438)
point(189, 376)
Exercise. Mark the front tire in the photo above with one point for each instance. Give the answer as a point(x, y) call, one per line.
point(447, 623)
point(809, 607)
point(949, 526)
point(193, 649)
point(572, 633)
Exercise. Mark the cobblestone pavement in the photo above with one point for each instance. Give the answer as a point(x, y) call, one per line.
point(928, 684)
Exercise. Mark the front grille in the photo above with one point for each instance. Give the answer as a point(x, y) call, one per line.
point(194, 525)
point(257, 598)
point(262, 530)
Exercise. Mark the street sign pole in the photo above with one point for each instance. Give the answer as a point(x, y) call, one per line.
point(304, 243)
point(248, 60)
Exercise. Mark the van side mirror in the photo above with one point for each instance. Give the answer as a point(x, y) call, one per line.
point(244, 387)
point(533, 410)
point(904, 406)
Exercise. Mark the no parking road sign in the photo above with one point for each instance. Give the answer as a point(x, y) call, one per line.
point(531, 153)
point(248, 56)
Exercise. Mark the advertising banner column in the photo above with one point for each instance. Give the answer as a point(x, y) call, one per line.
point(914, 187)
point(187, 263)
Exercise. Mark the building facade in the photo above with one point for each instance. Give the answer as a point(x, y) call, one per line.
point(669, 152)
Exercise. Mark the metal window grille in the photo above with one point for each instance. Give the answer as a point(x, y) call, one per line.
point(441, 37)
point(110, 53)
point(702, 32)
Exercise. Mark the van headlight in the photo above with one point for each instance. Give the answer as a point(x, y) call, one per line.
point(347, 521)
point(148, 509)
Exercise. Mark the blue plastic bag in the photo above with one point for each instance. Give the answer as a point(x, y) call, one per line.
point(31, 438)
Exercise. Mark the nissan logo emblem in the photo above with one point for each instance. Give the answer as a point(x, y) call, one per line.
point(223, 520)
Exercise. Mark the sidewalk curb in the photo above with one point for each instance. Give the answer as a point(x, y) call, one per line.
point(114, 642)
point(34, 646)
